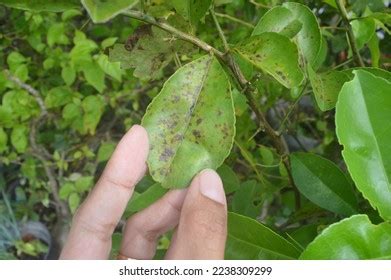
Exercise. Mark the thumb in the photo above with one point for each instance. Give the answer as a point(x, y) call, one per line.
point(202, 230)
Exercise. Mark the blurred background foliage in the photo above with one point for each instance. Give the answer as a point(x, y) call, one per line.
point(64, 106)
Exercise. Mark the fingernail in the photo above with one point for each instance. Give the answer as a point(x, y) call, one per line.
point(211, 186)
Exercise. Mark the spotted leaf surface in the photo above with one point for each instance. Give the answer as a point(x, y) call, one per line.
point(276, 55)
point(190, 123)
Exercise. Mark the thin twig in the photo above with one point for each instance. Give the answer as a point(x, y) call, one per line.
point(218, 27)
point(234, 19)
point(349, 31)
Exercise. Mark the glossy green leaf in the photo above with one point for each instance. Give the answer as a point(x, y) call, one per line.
point(274, 54)
point(102, 11)
point(42, 5)
point(353, 238)
point(326, 87)
point(280, 20)
point(249, 239)
point(191, 10)
point(363, 106)
point(294, 20)
point(191, 123)
point(323, 183)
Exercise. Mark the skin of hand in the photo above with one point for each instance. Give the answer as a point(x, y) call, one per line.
point(198, 214)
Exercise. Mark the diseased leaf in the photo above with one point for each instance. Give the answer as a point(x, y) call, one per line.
point(326, 87)
point(249, 239)
point(190, 123)
point(294, 20)
point(309, 37)
point(323, 183)
point(149, 51)
point(274, 54)
point(362, 108)
point(102, 10)
point(354, 238)
point(42, 5)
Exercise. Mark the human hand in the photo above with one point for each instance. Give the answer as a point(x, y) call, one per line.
point(198, 213)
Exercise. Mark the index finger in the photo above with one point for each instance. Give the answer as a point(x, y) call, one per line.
point(97, 217)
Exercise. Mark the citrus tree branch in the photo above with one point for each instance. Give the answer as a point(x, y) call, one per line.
point(349, 31)
point(244, 85)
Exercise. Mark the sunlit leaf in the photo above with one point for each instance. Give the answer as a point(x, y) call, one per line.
point(354, 238)
point(362, 108)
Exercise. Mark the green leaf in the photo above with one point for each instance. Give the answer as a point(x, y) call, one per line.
point(102, 10)
point(249, 239)
point(73, 202)
point(374, 48)
point(145, 199)
point(19, 138)
point(354, 238)
point(94, 75)
point(3, 140)
point(42, 5)
point(326, 87)
point(243, 201)
point(228, 176)
point(56, 35)
point(363, 30)
point(149, 54)
point(279, 20)
point(323, 183)
point(191, 10)
point(105, 151)
point(58, 97)
point(274, 54)
point(68, 74)
point(112, 69)
point(362, 108)
point(193, 102)
point(93, 107)
point(294, 20)
point(84, 183)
